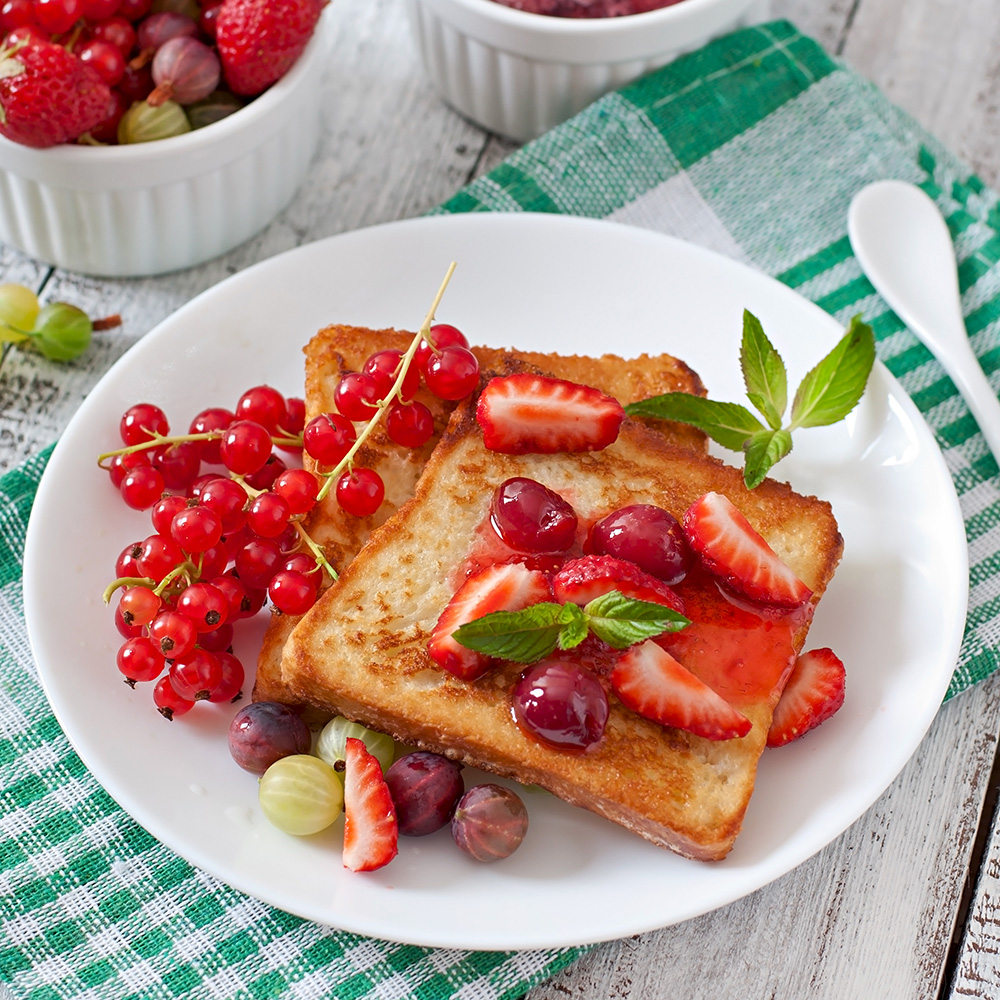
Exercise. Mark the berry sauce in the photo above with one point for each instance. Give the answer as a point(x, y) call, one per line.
point(743, 652)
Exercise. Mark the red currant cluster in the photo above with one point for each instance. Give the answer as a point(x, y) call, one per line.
point(225, 542)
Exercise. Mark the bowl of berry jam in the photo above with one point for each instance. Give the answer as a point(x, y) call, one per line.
point(519, 67)
point(155, 204)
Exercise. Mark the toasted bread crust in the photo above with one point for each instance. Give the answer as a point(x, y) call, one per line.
point(338, 349)
point(361, 651)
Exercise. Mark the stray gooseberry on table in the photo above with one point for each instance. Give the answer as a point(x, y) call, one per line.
point(58, 331)
point(227, 511)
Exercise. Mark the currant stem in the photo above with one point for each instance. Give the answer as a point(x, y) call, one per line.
point(317, 552)
point(127, 581)
point(396, 391)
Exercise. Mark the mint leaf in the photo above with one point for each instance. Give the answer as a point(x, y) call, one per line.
point(762, 450)
point(763, 372)
point(728, 424)
point(623, 621)
point(522, 636)
point(575, 627)
point(833, 388)
point(539, 630)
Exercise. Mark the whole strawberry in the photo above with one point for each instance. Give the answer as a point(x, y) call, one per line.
point(260, 40)
point(47, 96)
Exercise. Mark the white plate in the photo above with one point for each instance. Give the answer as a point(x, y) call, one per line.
point(895, 611)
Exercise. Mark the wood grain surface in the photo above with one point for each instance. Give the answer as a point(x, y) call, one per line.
point(905, 904)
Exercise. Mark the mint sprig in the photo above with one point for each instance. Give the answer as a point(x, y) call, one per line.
point(539, 630)
point(826, 395)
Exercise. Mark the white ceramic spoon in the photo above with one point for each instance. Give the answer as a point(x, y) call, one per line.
point(903, 245)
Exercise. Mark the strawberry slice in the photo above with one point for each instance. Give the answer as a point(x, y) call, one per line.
point(581, 581)
point(731, 549)
point(501, 587)
point(652, 683)
point(370, 830)
point(526, 413)
point(815, 690)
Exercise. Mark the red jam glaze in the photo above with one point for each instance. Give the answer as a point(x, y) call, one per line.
point(742, 652)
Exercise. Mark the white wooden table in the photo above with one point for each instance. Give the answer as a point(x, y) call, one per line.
point(902, 906)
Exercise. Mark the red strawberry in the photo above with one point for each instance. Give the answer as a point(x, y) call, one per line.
point(524, 413)
point(47, 96)
point(732, 549)
point(651, 682)
point(582, 580)
point(370, 830)
point(501, 587)
point(260, 40)
point(815, 690)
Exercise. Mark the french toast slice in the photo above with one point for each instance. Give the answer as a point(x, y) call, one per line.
point(362, 650)
point(337, 349)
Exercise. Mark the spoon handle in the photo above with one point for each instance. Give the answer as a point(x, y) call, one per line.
point(963, 368)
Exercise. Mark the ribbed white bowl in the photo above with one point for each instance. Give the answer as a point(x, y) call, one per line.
point(520, 74)
point(154, 207)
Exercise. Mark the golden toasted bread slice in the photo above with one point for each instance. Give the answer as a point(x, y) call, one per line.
point(339, 349)
point(361, 651)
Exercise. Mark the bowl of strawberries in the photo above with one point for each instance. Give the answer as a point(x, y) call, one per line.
point(139, 137)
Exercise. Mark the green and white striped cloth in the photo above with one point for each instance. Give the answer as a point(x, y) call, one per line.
point(752, 146)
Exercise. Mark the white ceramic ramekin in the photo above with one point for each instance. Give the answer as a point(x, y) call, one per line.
point(520, 74)
point(150, 208)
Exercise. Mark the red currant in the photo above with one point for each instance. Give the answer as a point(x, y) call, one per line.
point(124, 628)
point(135, 10)
point(168, 702)
point(268, 515)
point(16, 14)
point(174, 634)
point(122, 464)
point(205, 605)
point(213, 560)
point(127, 563)
point(218, 640)
point(158, 555)
point(409, 424)
point(291, 592)
point(299, 488)
point(231, 684)
point(228, 499)
point(117, 30)
point(452, 373)
point(196, 675)
point(295, 415)
point(179, 464)
point(105, 58)
point(143, 422)
point(356, 395)
point(328, 438)
point(264, 477)
point(360, 491)
point(164, 511)
point(236, 595)
point(196, 529)
point(262, 404)
point(245, 446)
point(139, 606)
point(139, 659)
point(98, 10)
point(383, 368)
point(256, 563)
point(142, 487)
point(57, 16)
point(213, 419)
point(441, 335)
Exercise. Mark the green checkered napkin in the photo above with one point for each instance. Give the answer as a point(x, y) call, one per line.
point(752, 146)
